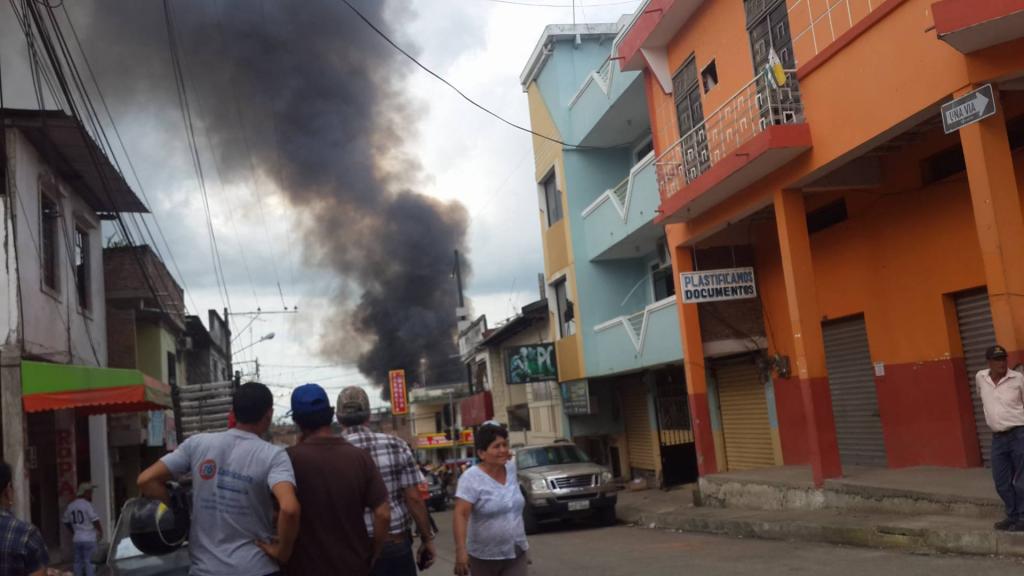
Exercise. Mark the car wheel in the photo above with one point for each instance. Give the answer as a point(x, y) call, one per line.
point(606, 516)
point(530, 523)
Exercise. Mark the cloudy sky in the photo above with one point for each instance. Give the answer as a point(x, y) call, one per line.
point(480, 46)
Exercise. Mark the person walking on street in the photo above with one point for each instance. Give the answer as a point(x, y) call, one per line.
point(1002, 396)
point(22, 548)
point(490, 539)
point(81, 520)
point(236, 476)
point(336, 483)
point(398, 467)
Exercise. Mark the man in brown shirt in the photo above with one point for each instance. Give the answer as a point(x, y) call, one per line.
point(335, 482)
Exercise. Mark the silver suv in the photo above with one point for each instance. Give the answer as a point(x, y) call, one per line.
point(559, 481)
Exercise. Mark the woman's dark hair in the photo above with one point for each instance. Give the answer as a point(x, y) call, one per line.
point(5, 475)
point(314, 420)
point(251, 402)
point(486, 435)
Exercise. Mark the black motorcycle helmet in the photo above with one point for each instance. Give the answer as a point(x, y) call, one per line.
point(156, 528)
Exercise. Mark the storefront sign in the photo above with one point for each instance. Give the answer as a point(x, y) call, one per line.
point(533, 363)
point(399, 396)
point(434, 440)
point(155, 429)
point(716, 285)
point(576, 398)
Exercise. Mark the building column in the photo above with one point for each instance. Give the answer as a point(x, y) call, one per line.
point(693, 364)
point(67, 470)
point(1000, 224)
point(13, 415)
point(100, 471)
point(808, 343)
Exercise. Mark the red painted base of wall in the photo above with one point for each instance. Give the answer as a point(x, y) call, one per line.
point(789, 408)
point(825, 452)
point(927, 415)
point(700, 419)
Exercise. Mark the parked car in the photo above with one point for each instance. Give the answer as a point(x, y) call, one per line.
point(122, 558)
point(437, 496)
point(559, 481)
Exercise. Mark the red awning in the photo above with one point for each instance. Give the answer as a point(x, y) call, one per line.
point(90, 390)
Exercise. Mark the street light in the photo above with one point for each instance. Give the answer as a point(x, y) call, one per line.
point(263, 339)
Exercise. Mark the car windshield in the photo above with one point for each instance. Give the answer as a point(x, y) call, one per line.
point(550, 455)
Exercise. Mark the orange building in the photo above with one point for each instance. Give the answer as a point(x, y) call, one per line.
point(804, 139)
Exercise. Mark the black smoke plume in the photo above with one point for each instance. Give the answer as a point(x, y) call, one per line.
point(320, 95)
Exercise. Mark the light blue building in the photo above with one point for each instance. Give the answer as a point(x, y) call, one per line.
point(609, 275)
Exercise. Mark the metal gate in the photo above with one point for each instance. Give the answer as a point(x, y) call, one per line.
point(675, 435)
point(639, 434)
point(974, 318)
point(851, 380)
point(744, 409)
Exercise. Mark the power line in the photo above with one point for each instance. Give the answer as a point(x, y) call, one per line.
point(190, 136)
point(131, 165)
point(459, 92)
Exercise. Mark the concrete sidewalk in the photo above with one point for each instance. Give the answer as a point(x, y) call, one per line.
point(919, 511)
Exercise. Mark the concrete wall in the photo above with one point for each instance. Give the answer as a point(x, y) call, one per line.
point(53, 324)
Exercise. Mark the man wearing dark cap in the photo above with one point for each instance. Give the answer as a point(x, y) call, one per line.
point(336, 482)
point(398, 467)
point(1002, 396)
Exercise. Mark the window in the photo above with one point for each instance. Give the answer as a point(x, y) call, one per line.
point(827, 216)
point(541, 391)
point(552, 199)
point(50, 241)
point(82, 264)
point(709, 76)
point(641, 151)
point(942, 165)
point(662, 281)
point(172, 369)
point(566, 314)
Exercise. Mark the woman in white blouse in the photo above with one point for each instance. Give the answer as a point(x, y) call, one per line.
point(489, 535)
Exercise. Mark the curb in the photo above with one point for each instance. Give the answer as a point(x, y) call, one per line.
point(914, 534)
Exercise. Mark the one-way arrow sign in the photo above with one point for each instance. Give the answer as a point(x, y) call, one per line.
point(968, 109)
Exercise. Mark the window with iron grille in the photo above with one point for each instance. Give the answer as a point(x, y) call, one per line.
point(49, 240)
point(82, 264)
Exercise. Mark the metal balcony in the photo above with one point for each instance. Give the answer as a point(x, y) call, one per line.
point(756, 131)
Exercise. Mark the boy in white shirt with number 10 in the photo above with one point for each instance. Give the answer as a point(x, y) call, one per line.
point(81, 519)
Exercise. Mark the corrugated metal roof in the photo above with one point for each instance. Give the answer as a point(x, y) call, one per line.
point(68, 148)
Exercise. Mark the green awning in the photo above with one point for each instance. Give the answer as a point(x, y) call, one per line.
point(46, 386)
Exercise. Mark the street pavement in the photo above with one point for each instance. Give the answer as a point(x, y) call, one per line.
point(580, 550)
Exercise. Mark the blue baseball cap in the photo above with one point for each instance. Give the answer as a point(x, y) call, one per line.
point(309, 399)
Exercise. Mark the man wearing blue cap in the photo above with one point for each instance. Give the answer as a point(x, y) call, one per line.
point(336, 483)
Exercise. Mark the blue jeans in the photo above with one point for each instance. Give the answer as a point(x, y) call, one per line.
point(396, 559)
point(83, 558)
point(1008, 470)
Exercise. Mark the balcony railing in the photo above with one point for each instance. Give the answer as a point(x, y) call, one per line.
point(814, 30)
point(748, 113)
point(647, 338)
point(620, 212)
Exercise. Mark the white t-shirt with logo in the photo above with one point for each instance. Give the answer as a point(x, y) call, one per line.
point(232, 505)
point(81, 515)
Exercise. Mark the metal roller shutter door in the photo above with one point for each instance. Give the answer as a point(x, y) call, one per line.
point(639, 434)
point(851, 380)
point(744, 407)
point(976, 333)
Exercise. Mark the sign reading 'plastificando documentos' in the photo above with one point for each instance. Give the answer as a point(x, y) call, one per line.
point(715, 285)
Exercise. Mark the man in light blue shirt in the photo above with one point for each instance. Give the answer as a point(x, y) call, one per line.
point(236, 476)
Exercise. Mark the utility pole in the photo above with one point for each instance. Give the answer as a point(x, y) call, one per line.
point(257, 369)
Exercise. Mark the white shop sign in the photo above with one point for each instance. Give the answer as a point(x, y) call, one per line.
point(716, 285)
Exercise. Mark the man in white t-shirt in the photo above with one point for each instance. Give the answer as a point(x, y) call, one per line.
point(236, 476)
point(81, 519)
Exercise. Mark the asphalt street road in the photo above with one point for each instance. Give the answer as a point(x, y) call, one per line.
point(578, 550)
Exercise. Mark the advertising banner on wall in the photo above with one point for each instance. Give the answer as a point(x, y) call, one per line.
point(576, 398)
point(399, 394)
point(532, 363)
point(717, 285)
